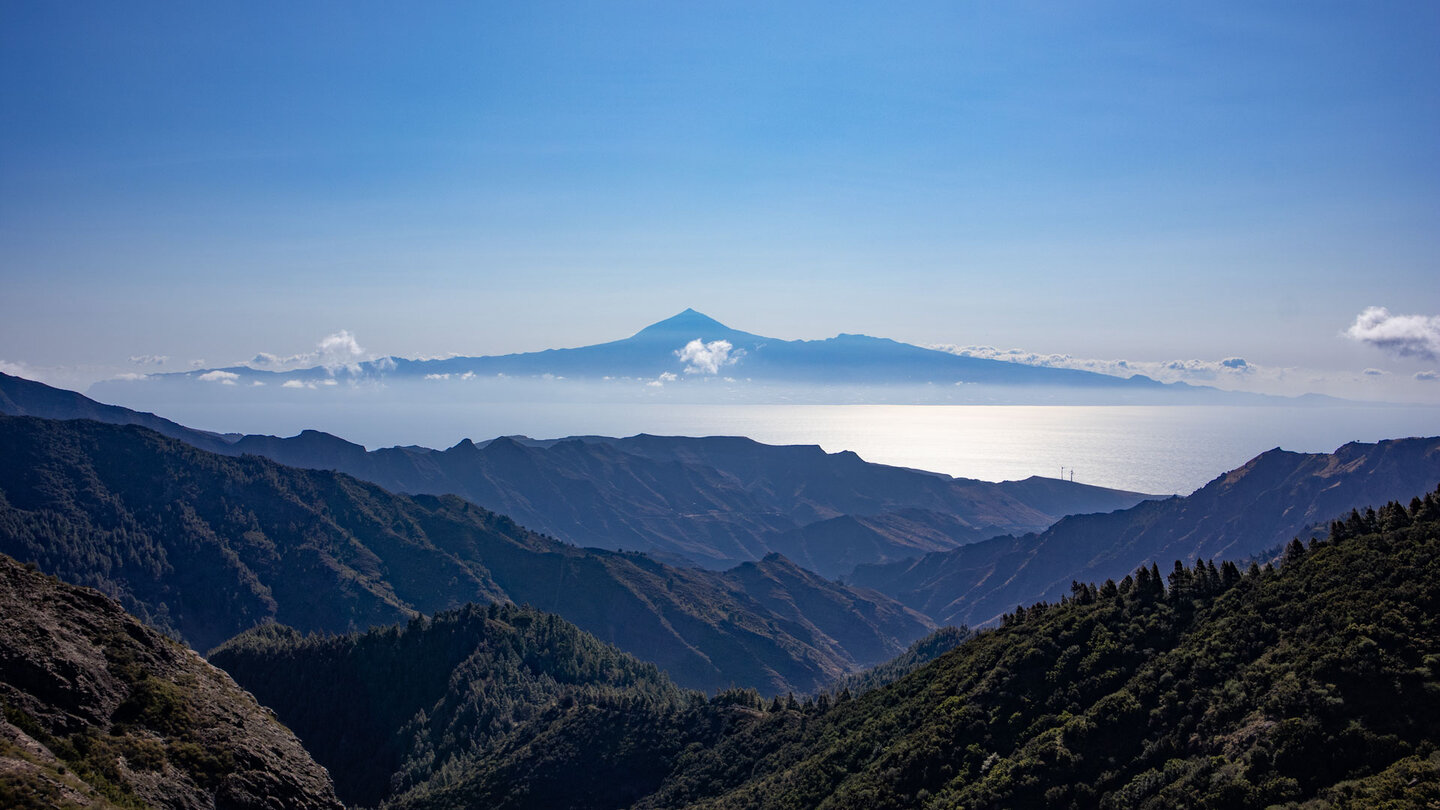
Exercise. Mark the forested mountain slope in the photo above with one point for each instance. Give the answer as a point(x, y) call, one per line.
point(1248, 511)
point(1317, 681)
point(1210, 687)
point(100, 711)
point(392, 708)
point(208, 546)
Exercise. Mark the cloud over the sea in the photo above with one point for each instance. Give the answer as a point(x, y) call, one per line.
point(334, 352)
point(700, 357)
point(222, 377)
point(1400, 335)
point(1230, 368)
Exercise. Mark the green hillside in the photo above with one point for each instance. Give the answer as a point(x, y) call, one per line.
point(1319, 681)
point(394, 707)
point(1315, 683)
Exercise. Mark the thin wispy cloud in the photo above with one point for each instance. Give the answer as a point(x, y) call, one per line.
point(13, 369)
point(1427, 376)
point(1195, 370)
point(700, 357)
point(149, 359)
point(1400, 335)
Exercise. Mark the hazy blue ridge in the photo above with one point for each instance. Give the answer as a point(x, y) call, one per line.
point(1245, 512)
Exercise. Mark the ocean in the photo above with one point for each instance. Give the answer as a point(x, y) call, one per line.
point(1152, 449)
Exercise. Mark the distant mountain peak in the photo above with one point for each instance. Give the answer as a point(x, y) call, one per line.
point(696, 324)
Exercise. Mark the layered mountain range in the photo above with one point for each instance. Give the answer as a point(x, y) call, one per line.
point(207, 546)
point(1217, 685)
point(1250, 511)
point(712, 501)
point(1310, 684)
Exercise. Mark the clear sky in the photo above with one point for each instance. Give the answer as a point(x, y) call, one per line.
point(1152, 182)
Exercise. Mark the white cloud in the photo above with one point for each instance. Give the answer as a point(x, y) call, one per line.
point(340, 350)
point(1231, 368)
point(700, 357)
point(256, 383)
point(1427, 376)
point(222, 377)
point(296, 384)
point(667, 376)
point(149, 359)
point(469, 375)
point(1375, 372)
point(334, 352)
point(437, 376)
point(1400, 335)
point(655, 384)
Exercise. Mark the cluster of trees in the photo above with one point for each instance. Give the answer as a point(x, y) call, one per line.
point(420, 704)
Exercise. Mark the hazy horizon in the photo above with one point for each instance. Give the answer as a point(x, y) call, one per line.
point(1245, 195)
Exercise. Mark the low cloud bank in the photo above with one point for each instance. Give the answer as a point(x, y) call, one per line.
point(1230, 368)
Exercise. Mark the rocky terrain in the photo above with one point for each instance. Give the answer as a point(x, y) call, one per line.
point(101, 711)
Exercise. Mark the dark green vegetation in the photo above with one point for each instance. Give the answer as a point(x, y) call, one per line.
point(101, 711)
point(207, 546)
point(394, 708)
point(920, 653)
point(490, 706)
point(717, 501)
point(1250, 511)
point(1211, 688)
point(1208, 687)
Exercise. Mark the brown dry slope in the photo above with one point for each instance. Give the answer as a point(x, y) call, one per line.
point(101, 711)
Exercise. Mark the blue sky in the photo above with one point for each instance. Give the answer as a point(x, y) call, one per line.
point(1139, 181)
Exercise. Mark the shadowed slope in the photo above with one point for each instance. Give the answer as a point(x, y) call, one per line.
point(207, 546)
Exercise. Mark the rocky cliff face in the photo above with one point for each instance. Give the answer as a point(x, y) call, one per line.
point(101, 711)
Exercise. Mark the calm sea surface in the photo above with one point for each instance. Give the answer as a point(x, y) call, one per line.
point(1156, 449)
